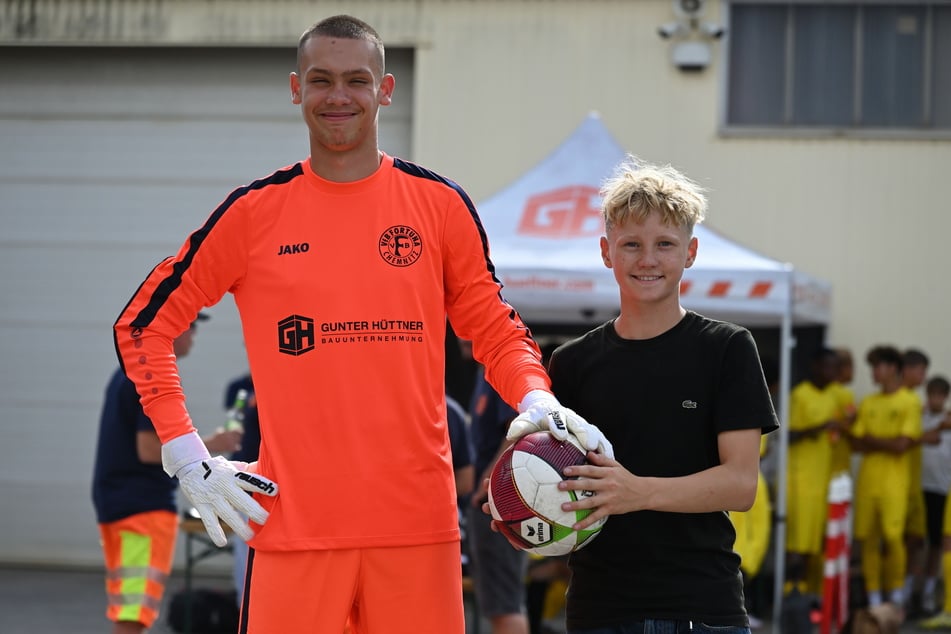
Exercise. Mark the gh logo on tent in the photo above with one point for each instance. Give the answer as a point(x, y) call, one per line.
point(568, 212)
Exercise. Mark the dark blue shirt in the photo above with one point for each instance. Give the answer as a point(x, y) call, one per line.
point(490, 421)
point(458, 435)
point(122, 484)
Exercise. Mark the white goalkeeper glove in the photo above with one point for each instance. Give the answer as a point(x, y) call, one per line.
point(541, 411)
point(217, 487)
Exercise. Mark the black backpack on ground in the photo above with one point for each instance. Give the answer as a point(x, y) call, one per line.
point(212, 611)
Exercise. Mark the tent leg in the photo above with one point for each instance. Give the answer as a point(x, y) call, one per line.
point(787, 343)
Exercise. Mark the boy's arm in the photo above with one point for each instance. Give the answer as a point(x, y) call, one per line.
point(728, 486)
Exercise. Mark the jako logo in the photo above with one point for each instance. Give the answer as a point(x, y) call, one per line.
point(562, 213)
point(289, 249)
point(295, 335)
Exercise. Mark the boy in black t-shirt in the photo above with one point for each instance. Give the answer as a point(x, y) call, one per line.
point(683, 401)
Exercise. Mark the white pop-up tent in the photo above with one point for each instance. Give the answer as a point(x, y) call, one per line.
point(543, 231)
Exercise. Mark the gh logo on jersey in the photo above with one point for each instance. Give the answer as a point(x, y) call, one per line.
point(295, 335)
point(400, 245)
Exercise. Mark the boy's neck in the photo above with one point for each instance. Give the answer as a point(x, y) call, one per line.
point(890, 386)
point(638, 322)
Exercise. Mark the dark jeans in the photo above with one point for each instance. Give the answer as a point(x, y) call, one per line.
point(652, 626)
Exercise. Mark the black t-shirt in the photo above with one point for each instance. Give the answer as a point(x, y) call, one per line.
point(662, 402)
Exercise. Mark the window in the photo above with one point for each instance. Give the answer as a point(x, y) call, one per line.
point(839, 65)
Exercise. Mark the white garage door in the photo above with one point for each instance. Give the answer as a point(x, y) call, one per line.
point(110, 157)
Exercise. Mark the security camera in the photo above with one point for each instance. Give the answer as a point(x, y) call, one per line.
point(671, 29)
point(713, 31)
point(689, 8)
point(691, 56)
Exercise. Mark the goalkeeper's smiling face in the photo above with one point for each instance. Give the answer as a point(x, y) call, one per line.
point(340, 87)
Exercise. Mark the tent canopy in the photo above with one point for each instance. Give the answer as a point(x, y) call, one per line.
point(544, 228)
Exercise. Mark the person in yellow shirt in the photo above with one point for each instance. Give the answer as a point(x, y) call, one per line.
point(887, 427)
point(841, 448)
point(813, 418)
point(753, 532)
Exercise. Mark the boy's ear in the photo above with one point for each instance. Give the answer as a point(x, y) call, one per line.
point(691, 252)
point(605, 255)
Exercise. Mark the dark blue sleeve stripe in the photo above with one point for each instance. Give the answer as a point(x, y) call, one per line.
point(168, 285)
point(421, 172)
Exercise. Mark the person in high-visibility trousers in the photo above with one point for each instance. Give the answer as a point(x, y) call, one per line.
point(753, 532)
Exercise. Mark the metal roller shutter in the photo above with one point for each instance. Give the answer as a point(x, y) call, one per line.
point(111, 156)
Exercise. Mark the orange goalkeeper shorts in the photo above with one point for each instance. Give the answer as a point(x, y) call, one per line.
point(397, 590)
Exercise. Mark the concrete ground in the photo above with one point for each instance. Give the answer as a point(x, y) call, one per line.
point(48, 601)
point(71, 601)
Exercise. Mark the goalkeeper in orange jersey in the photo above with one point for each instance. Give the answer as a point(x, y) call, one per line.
point(344, 267)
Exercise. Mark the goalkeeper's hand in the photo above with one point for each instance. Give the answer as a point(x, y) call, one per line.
point(541, 411)
point(216, 487)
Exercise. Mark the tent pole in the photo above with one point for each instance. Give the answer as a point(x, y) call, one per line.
point(787, 343)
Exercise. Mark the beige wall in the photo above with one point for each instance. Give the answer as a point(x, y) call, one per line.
point(500, 83)
point(504, 83)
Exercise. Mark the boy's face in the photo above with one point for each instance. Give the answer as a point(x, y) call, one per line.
point(648, 258)
point(846, 369)
point(827, 369)
point(883, 372)
point(914, 375)
point(936, 400)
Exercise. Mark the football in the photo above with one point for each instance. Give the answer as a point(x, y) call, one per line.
point(525, 501)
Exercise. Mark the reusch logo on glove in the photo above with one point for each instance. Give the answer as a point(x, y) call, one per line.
point(556, 419)
point(265, 487)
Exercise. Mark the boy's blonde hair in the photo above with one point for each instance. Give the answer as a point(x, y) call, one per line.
point(638, 188)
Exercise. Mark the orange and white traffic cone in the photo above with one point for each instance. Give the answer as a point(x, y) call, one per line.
point(835, 587)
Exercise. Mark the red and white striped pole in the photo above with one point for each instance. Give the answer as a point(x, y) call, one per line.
point(835, 587)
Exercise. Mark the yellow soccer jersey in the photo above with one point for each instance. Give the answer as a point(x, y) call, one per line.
point(810, 458)
point(893, 415)
point(914, 454)
point(841, 449)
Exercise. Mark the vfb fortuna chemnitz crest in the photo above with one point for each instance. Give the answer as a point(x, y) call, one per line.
point(400, 245)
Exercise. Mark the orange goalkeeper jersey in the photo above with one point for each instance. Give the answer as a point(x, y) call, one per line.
point(343, 291)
